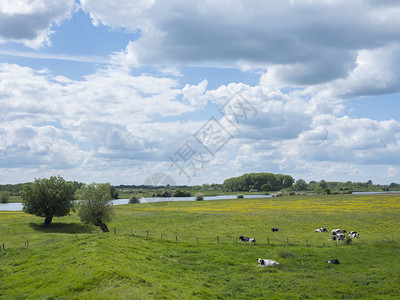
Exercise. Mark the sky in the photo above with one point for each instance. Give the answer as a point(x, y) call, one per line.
point(127, 91)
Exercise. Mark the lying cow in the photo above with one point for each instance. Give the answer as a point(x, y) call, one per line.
point(247, 239)
point(354, 234)
point(266, 262)
point(273, 229)
point(333, 261)
point(321, 230)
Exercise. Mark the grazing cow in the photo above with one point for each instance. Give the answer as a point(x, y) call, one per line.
point(333, 261)
point(266, 262)
point(247, 239)
point(273, 229)
point(354, 234)
point(338, 237)
point(336, 231)
point(321, 230)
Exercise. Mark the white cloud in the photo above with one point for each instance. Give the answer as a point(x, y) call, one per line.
point(29, 22)
point(296, 50)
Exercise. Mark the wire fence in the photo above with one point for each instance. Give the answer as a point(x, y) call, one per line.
point(22, 241)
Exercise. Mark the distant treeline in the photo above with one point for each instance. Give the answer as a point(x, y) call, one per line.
point(258, 182)
point(251, 182)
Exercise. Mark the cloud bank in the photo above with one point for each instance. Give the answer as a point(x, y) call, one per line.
point(117, 125)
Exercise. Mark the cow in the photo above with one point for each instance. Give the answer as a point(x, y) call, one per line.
point(336, 231)
point(321, 230)
point(338, 237)
point(354, 234)
point(273, 229)
point(266, 262)
point(333, 261)
point(247, 239)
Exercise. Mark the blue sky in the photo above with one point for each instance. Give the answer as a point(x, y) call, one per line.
point(115, 91)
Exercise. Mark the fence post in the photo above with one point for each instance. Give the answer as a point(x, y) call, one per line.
point(147, 234)
point(197, 240)
point(287, 241)
point(176, 238)
point(27, 244)
point(161, 235)
point(306, 243)
point(217, 239)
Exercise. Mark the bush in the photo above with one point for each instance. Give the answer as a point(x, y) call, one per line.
point(4, 197)
point(199, 197)
point(240, 196)
point(179, 193)
point(134, 199)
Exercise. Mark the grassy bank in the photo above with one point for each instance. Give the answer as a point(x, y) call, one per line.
point(188, 250)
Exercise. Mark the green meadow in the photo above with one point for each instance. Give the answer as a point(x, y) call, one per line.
point(189, 250)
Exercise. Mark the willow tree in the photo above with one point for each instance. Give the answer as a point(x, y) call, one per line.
point(94, 205)
point(48, 198)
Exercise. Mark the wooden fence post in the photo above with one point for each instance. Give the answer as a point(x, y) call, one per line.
point(197, 240)
point(161, 235)
point(176, 238)
point(217, 239)
point(147, 234)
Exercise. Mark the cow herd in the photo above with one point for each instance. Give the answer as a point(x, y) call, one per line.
point(337, 235)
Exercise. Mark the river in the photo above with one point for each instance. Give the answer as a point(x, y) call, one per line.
point(18, 206)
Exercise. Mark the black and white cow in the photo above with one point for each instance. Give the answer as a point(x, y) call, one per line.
point(333, 261)
point(338, 236)
point(321, 230)
point(273, 229)
point(266, 262)
point(354, 234)
point(247, 239)
point(336, 231)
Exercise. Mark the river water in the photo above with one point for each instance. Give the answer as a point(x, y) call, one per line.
point(18, 206)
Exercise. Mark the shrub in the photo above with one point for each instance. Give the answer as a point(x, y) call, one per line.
point(199, 197)
point(240, 196)
point(4, 197)
point(134, 199)
point(179, 193)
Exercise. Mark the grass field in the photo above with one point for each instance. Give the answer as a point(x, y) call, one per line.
point(188, 250)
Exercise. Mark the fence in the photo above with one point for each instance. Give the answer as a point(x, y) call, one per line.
point(267, 240)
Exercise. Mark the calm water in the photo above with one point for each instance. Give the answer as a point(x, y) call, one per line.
point(18, 206)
